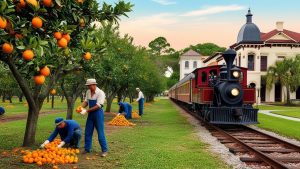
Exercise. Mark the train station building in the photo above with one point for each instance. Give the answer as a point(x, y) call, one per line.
point(257, 51)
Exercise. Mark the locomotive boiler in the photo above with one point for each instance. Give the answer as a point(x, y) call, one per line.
point(218, 94)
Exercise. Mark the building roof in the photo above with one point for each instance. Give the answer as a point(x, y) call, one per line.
point(249, 31)
point(294, 36)
point(217, 54)
point(191, 53)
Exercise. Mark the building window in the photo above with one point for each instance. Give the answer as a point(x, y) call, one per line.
point(280, 57)
point(263, 63)
point(186, 64)
point(195, 64)
point(251, 62)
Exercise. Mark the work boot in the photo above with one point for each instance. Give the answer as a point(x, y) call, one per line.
point(86, 152)
point(104, 154)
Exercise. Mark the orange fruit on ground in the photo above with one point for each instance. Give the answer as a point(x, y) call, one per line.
point(39, 163)
point(7, 48)
point(57, 35)
point(45, 71)
point(28, 54)
point(47, 3)
point(32, 2)
point(37, 22)
point(63, 43)
point(87, 56)
point(3, 22)
point(39, 79)
point(55, 167)
point(53, 92)
point(30, 161)
point(67, 37)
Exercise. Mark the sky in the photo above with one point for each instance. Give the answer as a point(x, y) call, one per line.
point(188, 22)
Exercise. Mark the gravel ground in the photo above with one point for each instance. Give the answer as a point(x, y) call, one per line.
point(215, 146)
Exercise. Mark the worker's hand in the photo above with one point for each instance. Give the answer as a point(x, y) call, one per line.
point(44, 144)
point(83, 111)
point(61, 144)
point(118, 114)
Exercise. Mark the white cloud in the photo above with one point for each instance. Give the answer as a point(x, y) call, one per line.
point(214, 10)
point(165, 2)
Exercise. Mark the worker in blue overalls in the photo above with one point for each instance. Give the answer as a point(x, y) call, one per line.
point(69, 131)
point(2, 111)
point(125, 107)
point(94, 98)
point(140, 99)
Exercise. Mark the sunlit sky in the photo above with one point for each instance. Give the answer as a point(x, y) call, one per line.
point(186, 22)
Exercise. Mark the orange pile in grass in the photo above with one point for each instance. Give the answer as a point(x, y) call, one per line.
point(7, 48)
point(120, 121)
point(135, 115)
point(51, 155)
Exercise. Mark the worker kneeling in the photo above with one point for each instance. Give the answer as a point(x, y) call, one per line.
point(125, 107)
point(69, 131)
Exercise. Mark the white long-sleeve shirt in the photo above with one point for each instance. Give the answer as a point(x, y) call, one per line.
point(99, 96)
point(141, 96)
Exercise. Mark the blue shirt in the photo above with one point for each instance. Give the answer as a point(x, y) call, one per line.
point(65, 133)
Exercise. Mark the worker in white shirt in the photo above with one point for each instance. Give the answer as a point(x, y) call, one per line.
point(140, 99)
point(94, 98)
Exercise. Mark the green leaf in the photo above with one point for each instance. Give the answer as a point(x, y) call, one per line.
point(3, 5)
point(21, 47)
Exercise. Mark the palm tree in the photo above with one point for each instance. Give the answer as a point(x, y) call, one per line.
point(285, 72)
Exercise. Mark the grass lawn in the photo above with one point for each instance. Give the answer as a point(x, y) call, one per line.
point(161, 139)
point(290, 111)
point(281, 126)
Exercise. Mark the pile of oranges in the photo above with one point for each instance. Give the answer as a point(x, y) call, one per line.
point(51, 155)
point(135, 115)
point(120, 121)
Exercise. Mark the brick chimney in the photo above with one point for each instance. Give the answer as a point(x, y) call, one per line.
point(279, 26)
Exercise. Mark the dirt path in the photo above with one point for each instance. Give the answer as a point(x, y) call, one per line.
point(22, 116)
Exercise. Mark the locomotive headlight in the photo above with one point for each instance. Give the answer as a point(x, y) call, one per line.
point(236, 74)
point(235, 92)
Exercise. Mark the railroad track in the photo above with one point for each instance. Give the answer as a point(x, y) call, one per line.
point(256, 149)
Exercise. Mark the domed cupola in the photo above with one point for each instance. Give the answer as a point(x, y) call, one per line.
point(249, 32)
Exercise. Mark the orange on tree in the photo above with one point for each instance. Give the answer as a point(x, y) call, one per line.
point(80, 1)
point(28, 54)
point(21, 4)
point(81, 22)
point(53, 92)
point(3, 22)
point(32, 2)
point(67, 37)
point(57, 35)
point(39, 79)
point(45, 71)
point(37, 22)
point(47, 3)
point(7, 48)
point(63, 43)
point(87, 56)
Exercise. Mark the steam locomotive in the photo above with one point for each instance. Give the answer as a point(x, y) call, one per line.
point(218, 94)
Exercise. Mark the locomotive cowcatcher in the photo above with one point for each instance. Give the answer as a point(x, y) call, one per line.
point(218, 94)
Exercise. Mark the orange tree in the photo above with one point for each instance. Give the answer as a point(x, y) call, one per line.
point(38, 39)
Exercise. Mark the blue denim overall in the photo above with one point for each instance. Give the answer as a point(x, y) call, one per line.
point(141, 106)
point(95, 120)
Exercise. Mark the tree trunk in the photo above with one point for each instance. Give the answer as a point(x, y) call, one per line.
point(70, 109)
point(109, 103)
point(3, 97)
point(288, 96)
point(32, 119)
point(48, 98)
point(21, 97)
point(62, 98)
point(81, 97)
point(52, 101)
point(10, 98)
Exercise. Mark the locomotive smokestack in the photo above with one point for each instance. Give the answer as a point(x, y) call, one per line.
point(229, 56)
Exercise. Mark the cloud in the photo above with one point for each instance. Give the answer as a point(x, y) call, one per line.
point(165, 2)
point(214, 10)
